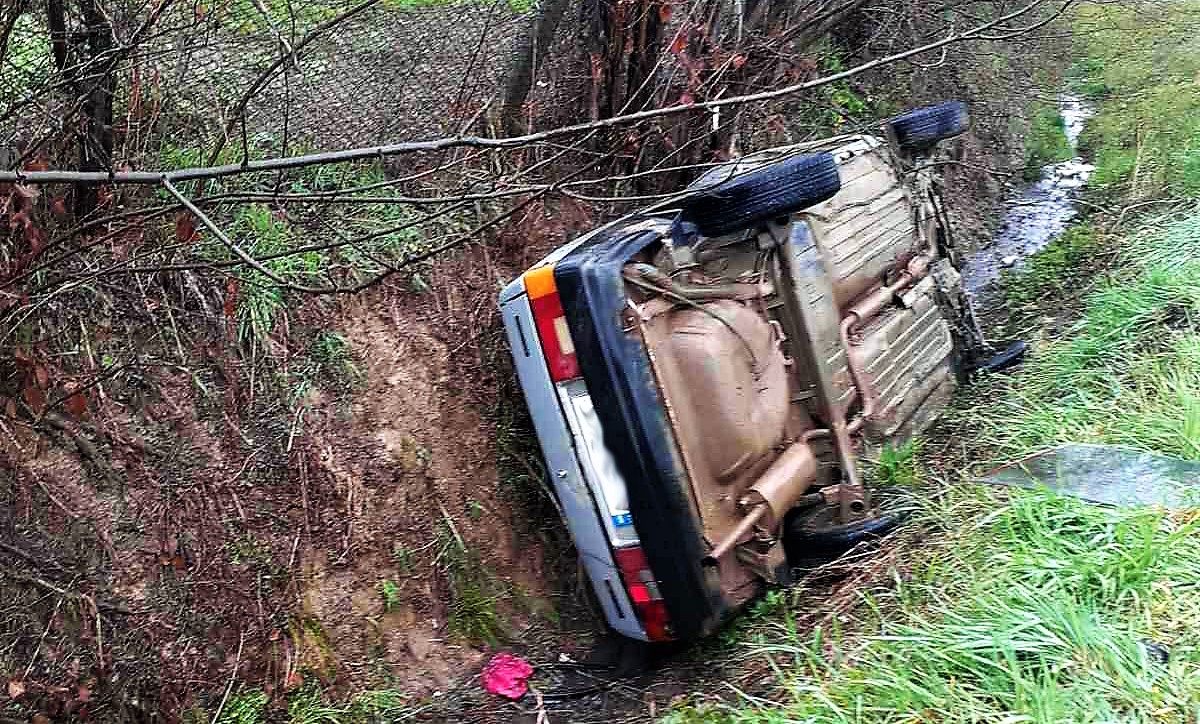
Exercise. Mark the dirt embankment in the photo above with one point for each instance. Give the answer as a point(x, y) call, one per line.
point(368, 519)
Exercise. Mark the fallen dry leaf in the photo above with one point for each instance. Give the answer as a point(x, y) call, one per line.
point(185, 229)
point(16, 688)
point(77, 405)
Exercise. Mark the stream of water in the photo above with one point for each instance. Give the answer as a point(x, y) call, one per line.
point(1041, 211)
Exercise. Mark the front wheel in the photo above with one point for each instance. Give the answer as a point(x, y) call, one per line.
point(918, 130)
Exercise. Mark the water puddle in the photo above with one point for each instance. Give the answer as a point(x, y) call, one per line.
point(1041, 211)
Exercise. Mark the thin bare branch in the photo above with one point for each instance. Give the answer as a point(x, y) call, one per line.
point(442, 144)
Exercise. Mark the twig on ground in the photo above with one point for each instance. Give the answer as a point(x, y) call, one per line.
point(295, 423)
point(450, 523)
point(45, 631)
point(232, 677)
point(47, 585)
point(304, 493)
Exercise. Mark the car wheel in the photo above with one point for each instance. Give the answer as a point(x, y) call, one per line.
point(918, 130)
point(766, 193)
point(812, 537)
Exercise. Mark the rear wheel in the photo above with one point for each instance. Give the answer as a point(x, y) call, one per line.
point(814, 536)
point(920, 129)
point(746, 200)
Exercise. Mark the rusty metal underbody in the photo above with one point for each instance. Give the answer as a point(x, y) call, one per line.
point(773, 352)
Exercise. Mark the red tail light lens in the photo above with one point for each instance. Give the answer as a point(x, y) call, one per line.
point(643, 591)
point(557, 345)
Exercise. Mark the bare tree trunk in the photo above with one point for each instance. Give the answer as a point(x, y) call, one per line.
point(96, 138)
point(646, 33)
point(56, 18)
point(532, 49)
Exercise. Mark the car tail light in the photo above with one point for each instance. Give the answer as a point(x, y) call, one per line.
point(551, 322)
point(643, 591)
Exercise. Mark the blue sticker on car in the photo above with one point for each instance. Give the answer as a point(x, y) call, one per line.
point(622, 520)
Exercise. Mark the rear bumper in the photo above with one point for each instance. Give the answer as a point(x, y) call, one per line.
point(621, 382)
point(581, 515)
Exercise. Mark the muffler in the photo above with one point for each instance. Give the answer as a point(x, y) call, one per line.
point(772, 495)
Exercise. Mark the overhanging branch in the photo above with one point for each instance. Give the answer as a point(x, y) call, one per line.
point(443, 144)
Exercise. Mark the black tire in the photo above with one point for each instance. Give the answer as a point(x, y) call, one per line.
point(811, 537)
point(920, 129)
point(766, 193)
point(1010, 356)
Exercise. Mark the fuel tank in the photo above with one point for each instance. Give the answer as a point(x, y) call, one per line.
point(725, 385)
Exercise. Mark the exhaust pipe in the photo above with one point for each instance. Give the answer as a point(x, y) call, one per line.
point(772, 495)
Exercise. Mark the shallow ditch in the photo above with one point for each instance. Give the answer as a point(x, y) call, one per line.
point(1040, 211)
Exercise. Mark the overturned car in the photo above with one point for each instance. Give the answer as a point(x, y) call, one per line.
point(703, 375)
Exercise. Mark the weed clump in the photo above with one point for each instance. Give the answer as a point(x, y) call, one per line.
point(474, 591)
point(899, 465)
point(390, 593)
point(247, 707)
point(1046, 142)
point(1139, 63)
point(1056, 269)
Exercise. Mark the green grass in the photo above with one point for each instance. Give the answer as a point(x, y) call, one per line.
point(1033, 611)
point(1138, 63)
point(1059, 267)
point(390, 593)
point(474, 592)
point(364, 239)
point(328, 362)
point(1129, 373)
point(309, 706)
point(1085, 77)
point(898, 466)
point(377, 706)
point(1046, 142)
point(265, 232)
point(247, 707)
